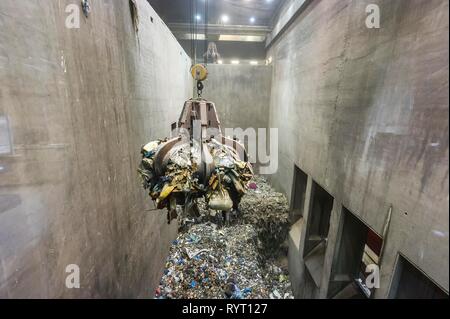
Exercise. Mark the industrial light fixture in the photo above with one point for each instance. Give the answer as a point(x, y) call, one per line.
point(254, 62)
point(220, 62)
point(252, 20)
point(242, 38)
point(190, 36)
point(198, 17)
point(225, 18)
point(235, 62)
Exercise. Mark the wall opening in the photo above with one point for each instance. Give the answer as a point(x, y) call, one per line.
point(298, 194)
point(319, 218)
point(410, 282)
point(317, 231)
point(358, 250)
point(6, 147)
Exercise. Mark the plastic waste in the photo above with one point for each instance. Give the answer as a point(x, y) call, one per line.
point(211, 260)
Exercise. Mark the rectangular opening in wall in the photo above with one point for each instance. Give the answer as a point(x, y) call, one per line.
point(319, 218)
point(5, 136)
point(298, 194)
point(317, 231)
point(356, 255)
point(411, 283)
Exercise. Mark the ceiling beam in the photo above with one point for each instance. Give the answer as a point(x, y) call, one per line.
point(220, 29)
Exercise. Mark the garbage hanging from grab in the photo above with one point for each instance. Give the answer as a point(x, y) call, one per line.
point(179, 171)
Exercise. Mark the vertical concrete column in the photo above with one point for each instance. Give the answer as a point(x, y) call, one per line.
point(332, 244)
point(296, 246)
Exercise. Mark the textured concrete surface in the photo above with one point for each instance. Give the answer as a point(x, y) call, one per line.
point(241, 94)
point(80, 104)
point(365, 113)
point(288, 11)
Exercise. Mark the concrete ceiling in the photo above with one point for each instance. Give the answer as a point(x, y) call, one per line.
point(239, 12)
point(242, 37)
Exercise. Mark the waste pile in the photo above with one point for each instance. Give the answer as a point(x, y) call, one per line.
point(174, 178)
point(213, 260)
point(268, 211)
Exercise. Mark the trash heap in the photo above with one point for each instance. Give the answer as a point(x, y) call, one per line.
point(210, 261)
point(222, 190)
point(268, 211)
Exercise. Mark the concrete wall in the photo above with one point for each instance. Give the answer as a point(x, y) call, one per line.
point(241, 94)
point(80, 104)
point(364, 112)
